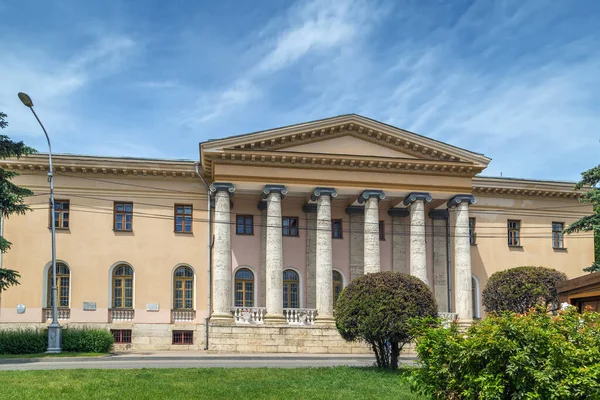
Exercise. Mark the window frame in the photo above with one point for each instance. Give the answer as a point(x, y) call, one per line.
point(472, 233)
point(123, 280)
point(381, 228)
point(59, 285)
point(124, 214)
point(289, 227)
point(516, 230)
point(341, 230)
point(245, 218)
point(183, 279)
point(60, 218)
point(183, 334)
point(560, 235)
point(244, 290)
point(120, 337)
point(287, 287)
point(182, 215)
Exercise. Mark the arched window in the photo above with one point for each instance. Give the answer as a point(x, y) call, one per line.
point(63, 283)
point(244, 288)
point(183, 289)
point(122, 285)
point(475, 297)
point(338, 285)
point(291, 289)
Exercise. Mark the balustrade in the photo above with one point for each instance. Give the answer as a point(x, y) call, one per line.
point(62, 314)
point(300, 316)
point(183, 315)
point(121, 315)
point(248, 315)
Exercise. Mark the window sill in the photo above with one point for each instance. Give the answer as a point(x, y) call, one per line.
point(183, 232)
point(59, 229)
point(515, 247)
point(560, 249)
point(123, 230)
point(244, 234)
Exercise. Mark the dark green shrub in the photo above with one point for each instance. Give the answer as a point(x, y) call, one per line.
point(513, 356)
point(24, 341)
point(83, 340)
point(378, 309)
point(521, 288)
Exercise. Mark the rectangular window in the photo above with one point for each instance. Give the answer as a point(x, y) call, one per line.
point(290, 226)
point(514, 230)
point(557, 235)
point(123, 213)
point(472, 235)
point(336, 229)
point(121, 335)
point(381, 230)
point(183, 218)
point(244, 225)
point(183, 337)
point(61, 214)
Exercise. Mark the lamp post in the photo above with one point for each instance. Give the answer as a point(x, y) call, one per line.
point(54, 329)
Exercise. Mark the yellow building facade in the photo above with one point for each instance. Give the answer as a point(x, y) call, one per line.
point(295, 214)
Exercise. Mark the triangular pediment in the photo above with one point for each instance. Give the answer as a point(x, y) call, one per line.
point(347, 145)
point(349, 137)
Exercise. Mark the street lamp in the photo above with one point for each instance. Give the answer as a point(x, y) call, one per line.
point(54, 329)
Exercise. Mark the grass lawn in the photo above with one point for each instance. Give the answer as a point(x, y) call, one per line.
point(209, 383)
point(63, 354)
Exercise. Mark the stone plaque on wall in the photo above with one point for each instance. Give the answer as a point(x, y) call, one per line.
point(89, 306)
point(21, 308)
point(151, 306)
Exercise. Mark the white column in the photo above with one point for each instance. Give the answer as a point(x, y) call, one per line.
point(462, 257)
point(324, 257)
point(222, 251)
point(371, 229)
point(274, 256)
point(418, 247)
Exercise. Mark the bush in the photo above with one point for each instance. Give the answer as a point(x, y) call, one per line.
point(513, 356)
point(377, 308)
point(25, 341)
point(83, 340)
point(519, 289)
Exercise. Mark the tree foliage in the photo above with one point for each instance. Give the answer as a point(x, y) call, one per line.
point(12, 197)
point(378, 308)
point(590, 179)
point(518, 289)
point(512, 356)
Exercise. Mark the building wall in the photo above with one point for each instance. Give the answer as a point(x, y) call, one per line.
point(90, 247)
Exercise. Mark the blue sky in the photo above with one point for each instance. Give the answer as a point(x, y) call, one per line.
point(516, 80)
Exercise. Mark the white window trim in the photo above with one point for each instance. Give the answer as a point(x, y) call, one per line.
point(110, 280)
point(300, 284)
point(47, 268)
point(255, 296)
point(173, 284)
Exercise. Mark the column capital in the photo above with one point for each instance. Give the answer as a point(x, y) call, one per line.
point(414, 196)
point(369, 193)
point(222, 187)
point(438, 214)
point(398, 212)
point(268, 189)
point(355, 210)
point(323, 191)
point(461, 198)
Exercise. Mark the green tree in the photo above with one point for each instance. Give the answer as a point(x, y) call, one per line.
point(590, 223)
point(379, 308)
point(12, 197)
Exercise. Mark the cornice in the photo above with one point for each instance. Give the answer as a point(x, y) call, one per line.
point(483, 186)
point(72, 164)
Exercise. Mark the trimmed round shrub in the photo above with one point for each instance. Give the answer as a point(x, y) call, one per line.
point(521, 288)
point(379, 308)
point(535, 355)
point(82, 340)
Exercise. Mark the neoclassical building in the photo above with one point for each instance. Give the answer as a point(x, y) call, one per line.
point(247, 249)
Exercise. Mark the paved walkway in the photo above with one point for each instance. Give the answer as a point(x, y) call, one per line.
point(190, 359)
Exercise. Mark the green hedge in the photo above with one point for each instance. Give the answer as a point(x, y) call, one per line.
point(32, 341)
point(513, 356)
point(24, 341)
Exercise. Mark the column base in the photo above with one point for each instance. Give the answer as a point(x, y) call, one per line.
point(464, 324)
point(221, 316)
point(325, 320)
point(272, 319)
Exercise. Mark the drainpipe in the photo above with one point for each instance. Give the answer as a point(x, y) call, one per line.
point(210, 243)
point(449, 260)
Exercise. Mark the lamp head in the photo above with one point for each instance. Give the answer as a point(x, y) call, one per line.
point(25, 99)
